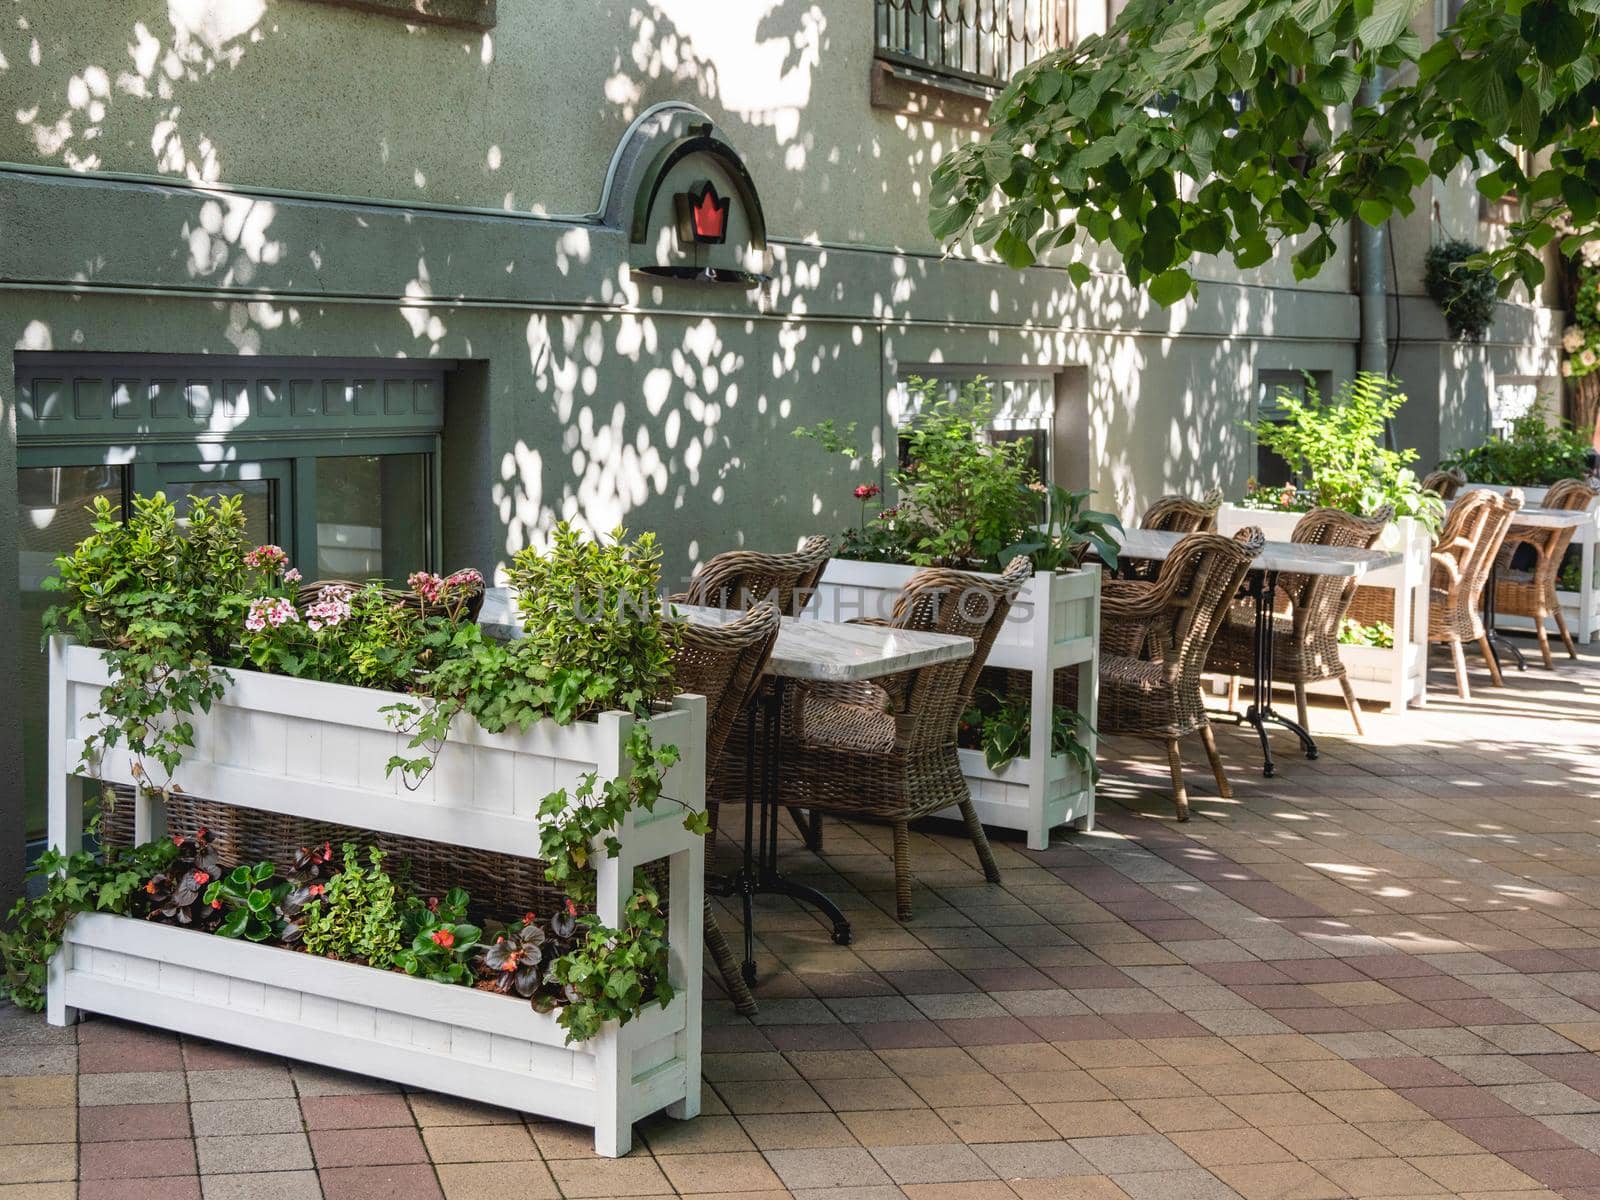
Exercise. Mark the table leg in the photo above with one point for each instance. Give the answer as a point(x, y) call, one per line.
point(1489, 617)
point(1264, 591)
point(758, 875)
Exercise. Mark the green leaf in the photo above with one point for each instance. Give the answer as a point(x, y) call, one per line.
point(1388, 20)
point(1079, 273)
point(1167, 288)
point(1557, 36)
point(1374, 212)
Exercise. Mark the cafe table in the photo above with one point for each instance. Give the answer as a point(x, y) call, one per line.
point(1275, 559)
point(804, 651)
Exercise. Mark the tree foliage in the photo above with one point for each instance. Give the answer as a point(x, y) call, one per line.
point(1195, 128)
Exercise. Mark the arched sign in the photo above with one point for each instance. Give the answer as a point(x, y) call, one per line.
point(687, 201)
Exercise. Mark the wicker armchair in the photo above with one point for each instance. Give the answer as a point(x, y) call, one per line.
point(739, 578)
point(1154, 640)
point(1309, 610)
point(724, 663)
point(1179, 514)
point(1445, 484)
point(1462, 559)
point(1532, 593)
point(886, 750)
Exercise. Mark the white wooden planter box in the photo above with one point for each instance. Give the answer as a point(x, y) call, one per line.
point(319, 751)
point(1582, 607)
point(1054, 623)
point(1395, 677)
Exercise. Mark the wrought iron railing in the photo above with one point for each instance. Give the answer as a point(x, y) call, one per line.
point(980, 41)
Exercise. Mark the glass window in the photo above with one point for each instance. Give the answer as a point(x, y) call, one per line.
point(372, 516)
point(53, 516)
point(1271, 470)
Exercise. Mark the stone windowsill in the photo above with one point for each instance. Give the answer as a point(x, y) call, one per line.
point(466, 14)
point(924, 94)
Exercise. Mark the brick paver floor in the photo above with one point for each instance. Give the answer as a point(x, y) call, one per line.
point(1375, 975)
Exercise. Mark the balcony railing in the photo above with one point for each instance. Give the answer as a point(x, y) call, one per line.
point(983, 42)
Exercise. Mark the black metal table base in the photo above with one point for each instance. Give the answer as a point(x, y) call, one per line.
point(1261, 713)
point(758, 875)
point(1496, 643)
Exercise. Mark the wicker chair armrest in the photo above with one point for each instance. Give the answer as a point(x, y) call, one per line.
point(881, 622)
point(1449, 565)
point(1132, 601)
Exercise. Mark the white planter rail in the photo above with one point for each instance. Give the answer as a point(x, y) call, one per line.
point(1582, 607)
point(1054, 623)
point(1395, 677)
point(319, 751)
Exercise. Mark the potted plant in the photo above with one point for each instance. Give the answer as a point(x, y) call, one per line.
point(397, 717)
point(1336, 451)
point(965, 502)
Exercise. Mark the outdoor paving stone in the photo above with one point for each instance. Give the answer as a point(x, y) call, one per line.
point(473, 1181)
point(320, 1081)
point(253, 1152)
point(810, 1131)
point(1542, 1099)
point(264, 1185)
point(1327, 1141)
point(1417, 1137)
point(996, 1122)
point(786, 1095)
point(1032, 1160)
point(415, 1182)
point(951, 1090)
point(39, 1060)
point(137, 1160)
point(694, 1174)
point(355, 1112)
point(1500, 1134)
point(37, 1091)
point(1369, 1104)
point(1213, 1147)
point(41, 1163)
point(460, 1143)
point(834, 1168)
point(1194, 1184)
point(181, 1187)
point(28, 1126)
point(1186, 1113)
point(132, 1087)
point(1133, 1153)
point(947, 1163)
point(705, 1135)
point(1476, 1172)
point(429, 1108)
point(1378, 1176)
point(129, 1122)
point(214, 1118)
point(153, 1054)
point(1279, 1181)
point(1561, 1169)
point(64, 1190)
point(250, 1083)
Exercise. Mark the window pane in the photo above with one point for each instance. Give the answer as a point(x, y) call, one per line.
point(372, 516)
point(52, 518)
point(259, 497)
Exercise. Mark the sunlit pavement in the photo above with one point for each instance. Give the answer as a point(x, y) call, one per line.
point(1377, 974)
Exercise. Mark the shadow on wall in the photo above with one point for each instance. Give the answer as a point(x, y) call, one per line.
point(656, 405)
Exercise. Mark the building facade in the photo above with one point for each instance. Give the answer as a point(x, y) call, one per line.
point(422, 277)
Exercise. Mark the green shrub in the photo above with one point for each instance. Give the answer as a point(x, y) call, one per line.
point(1336, 450)
point(1534, 453)
point(358, 917)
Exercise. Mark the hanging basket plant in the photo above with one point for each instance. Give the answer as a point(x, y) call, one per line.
point(1466, 295)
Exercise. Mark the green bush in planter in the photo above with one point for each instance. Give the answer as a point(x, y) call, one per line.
point(1534, 453)
point(1337, 453)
